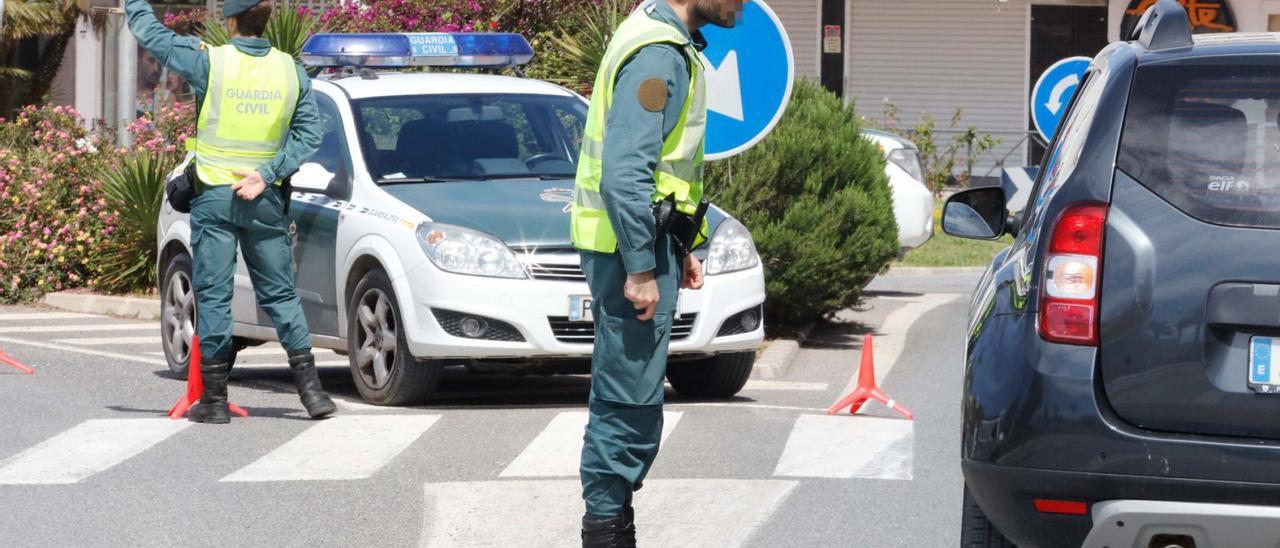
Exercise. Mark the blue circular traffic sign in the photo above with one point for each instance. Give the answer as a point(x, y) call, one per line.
point(750, 72)
point(1053, 92)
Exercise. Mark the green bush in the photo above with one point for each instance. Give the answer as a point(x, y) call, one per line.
point(134, 189)
point(817, 201)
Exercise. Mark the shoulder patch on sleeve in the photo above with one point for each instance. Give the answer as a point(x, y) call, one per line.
point(653, 95)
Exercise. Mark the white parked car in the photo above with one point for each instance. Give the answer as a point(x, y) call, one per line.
point(432, 228)
point(912, 200)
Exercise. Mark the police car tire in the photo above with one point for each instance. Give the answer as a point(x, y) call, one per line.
point(719, 376)
point(412, 381)
point(977, 531)
point(182, 263)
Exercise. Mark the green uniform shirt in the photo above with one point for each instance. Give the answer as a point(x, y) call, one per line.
point(633, 142)
point(183, 55)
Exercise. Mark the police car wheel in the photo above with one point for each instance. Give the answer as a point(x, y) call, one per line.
point(178, 316)
point(719, 376)
point(384, 370)
point(177, 313)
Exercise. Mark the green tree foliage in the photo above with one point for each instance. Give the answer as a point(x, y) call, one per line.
point(817, 200)
point(287, 30)
point(134, 188)
point(574, 51)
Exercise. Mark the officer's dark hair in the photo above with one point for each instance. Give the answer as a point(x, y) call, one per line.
point(254, 21)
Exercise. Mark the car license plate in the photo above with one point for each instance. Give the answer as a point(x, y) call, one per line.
point(580, 308)
point(1264, 372)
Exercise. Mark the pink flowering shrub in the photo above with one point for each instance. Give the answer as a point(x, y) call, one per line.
point(529, 17)
point(52, 215)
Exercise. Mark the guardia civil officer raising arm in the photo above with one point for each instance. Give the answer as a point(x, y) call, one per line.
point(257, 123)
point(636, 216)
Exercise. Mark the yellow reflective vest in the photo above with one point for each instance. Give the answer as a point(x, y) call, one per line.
point(246, 112)
point(679, 170)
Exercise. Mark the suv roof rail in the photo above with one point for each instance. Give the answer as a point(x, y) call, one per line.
point(1164, 26)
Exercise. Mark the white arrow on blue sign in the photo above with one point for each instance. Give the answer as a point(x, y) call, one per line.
point(1053, 93)
point(750, 73)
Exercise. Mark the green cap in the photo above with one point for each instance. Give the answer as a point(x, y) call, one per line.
point(233, 8)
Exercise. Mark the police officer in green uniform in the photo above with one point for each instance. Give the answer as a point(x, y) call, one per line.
point(643, 147)
point(257, 123)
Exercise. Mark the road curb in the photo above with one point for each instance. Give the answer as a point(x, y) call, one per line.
point(934, 270)
point(775, 361)
point(88, 303)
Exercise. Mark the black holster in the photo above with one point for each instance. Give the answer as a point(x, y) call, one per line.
point(683, 228)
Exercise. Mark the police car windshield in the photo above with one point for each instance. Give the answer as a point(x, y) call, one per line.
point(430, 138)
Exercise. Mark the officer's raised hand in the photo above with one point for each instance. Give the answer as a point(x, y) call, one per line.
point(250, 185)
point(692, 278)
point(642, 291)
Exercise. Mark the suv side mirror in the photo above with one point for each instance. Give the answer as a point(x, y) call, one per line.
point(977, 214)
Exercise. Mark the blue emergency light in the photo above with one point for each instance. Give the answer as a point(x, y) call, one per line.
point(417, 49)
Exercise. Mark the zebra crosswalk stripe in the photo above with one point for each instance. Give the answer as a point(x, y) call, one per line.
point(81, 328)
point(340, 448)
point(86, 449)
point(39, 316)
point(547, 513)
point(556, 451)
point(844, 446)
point(111, 341)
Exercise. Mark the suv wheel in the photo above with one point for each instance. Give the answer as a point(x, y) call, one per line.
point(977, 531)
point(178, 316)
point(385, 372)
point(719, 376)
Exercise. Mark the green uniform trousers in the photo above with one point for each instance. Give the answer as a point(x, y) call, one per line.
point(627, 371)
point(219, 220)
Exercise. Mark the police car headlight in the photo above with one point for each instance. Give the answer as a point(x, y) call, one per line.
point(732, 249)
point(465, 251)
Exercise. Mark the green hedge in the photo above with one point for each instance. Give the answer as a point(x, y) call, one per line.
point(817, 200)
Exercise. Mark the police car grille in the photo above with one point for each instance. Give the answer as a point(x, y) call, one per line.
point(584, 332)
point(557, 272)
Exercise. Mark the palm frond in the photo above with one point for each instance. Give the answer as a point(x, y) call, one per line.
point(214, 33)
point(288, 30)
point(30, 18)
point(134, 189)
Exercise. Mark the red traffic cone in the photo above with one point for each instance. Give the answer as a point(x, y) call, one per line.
point(8, 360)
point(867, 387)
point(195, 386)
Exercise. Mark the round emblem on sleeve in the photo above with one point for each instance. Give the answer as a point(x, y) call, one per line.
point(653, 95)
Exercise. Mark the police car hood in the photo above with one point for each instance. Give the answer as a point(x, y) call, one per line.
point(522, 213)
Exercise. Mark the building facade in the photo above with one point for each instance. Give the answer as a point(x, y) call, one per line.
point(980, 56)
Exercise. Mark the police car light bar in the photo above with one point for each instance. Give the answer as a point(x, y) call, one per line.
point(417, 49)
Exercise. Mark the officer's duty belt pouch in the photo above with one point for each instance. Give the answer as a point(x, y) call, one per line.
point(183, 188)
point(682, 227)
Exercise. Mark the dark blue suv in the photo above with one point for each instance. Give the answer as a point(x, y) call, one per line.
point(1120, 387)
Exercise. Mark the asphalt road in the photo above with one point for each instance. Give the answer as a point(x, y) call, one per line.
point(88, 459)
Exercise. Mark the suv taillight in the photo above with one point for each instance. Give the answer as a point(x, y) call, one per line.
point(1073, 271)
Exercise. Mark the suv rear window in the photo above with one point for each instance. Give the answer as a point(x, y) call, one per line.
point(1204, 137)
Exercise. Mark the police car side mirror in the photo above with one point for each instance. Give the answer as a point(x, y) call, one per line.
point(976, 214)
point(312, 177)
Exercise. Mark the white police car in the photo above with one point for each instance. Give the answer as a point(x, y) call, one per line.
point(432, 229)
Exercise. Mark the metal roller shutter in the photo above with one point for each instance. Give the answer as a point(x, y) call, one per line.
point(939, 55)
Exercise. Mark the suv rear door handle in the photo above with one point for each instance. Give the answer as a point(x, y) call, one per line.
point(1245, 304)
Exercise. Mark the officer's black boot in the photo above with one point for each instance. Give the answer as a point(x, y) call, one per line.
point(212, 408)
point(303, 364)
point(629, 533)
point(616, 532)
